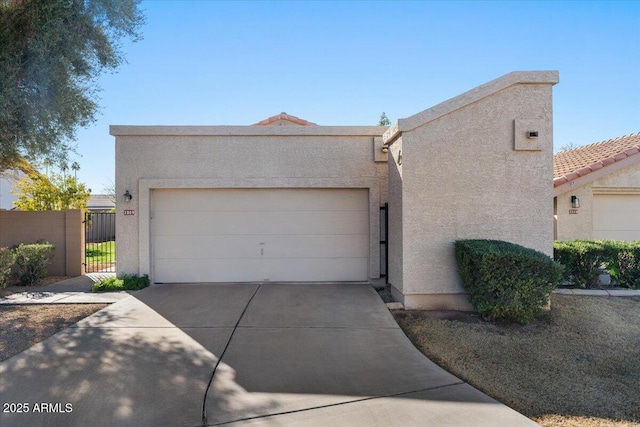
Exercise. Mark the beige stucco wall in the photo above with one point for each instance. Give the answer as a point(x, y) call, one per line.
point(238, 157)
point(63, 229)
point(462, 179)
point(580, 226)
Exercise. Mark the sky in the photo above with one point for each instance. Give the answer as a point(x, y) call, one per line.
point(344, 63)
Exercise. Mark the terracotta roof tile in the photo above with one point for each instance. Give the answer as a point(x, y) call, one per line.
point(569, 165)
point(284, 116)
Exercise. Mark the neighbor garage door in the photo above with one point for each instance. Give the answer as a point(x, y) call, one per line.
point(616, 217)
point(246, 235)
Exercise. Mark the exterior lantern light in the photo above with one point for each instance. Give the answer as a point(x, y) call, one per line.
point(127, 196)
point(575, 202)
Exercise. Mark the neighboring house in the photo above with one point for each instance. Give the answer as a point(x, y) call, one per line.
point(101, 203)
point(603, 179)
point(290, 201)
point(8, 180)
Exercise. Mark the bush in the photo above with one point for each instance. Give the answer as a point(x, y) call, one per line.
point(31, 262)
point(506, 281)
point(128, 282)
point(623, 263)
point(7, 258)
point(583, 260)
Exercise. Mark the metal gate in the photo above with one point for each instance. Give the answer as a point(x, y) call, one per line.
point(100, 242)
point(384, 240)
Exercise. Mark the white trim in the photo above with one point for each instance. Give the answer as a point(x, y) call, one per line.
point(119, 130)
point(616, 190)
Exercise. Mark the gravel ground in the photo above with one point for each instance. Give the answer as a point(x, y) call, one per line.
point(578, 365)
point(46, 281)
point(22, 326)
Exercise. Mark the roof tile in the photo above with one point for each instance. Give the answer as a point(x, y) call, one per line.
point(284, 116)
point(583, 160)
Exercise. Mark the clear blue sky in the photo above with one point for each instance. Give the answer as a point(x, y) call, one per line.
point(343, 63)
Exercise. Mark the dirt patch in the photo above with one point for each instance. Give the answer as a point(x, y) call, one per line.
point(576, 365)
point(44, 282)
point(22, 326)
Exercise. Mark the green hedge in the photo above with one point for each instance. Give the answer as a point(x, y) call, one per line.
point(585, 260)
point(31, 262)
point(7, 258)
point(506, 281)
point(128, 282)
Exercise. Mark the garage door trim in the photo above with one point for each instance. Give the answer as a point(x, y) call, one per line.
point(146, 185)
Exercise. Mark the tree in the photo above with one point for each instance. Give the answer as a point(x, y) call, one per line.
point(568, 147)
point(75, 166)
point(51, 54)
point(53, 193)
point(384, 120)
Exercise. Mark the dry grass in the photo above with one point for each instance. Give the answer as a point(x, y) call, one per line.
point(22, 326)
point(578, 365)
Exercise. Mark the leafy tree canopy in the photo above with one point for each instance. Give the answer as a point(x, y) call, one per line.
point(384, 120)
point(51, 53)
point(50, 193)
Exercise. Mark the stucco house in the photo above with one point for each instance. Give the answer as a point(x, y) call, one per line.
point(596, 191)
point(286, 200)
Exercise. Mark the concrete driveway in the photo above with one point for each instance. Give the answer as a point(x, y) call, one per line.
point(239, 355)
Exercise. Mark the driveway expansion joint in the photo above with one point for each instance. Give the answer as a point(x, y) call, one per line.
point(364, 399)
point(213, 373)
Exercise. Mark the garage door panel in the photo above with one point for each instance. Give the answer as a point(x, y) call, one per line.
point(236, 235)
point(248, 200)
point(616, 216)
point(265, 223)
point(613, 220)
point(225, 246)
point(220, 270)
point(322, 269)
point(258, 270)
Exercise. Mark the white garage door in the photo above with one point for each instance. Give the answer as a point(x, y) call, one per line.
point(616, 217)
point(247, 235)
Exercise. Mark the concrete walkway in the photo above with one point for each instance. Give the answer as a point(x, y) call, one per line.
point(241, 355)
point(599, 292)
point(76, 290)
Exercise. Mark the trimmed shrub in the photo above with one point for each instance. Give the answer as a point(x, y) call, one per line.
point(128, 282)
point(506, 281)
point(7, 258)
point(583, 260)
point(623, 263)
point(31, 262)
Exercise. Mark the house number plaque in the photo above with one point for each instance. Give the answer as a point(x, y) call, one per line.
point(571, 211)
point(129, 212)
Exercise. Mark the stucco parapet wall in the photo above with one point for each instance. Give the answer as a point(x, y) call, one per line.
point(124, 130)
point(467, 98)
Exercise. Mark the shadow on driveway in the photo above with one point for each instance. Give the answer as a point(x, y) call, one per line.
point(301, 355)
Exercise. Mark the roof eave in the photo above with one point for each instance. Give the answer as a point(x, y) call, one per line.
point(580, 178)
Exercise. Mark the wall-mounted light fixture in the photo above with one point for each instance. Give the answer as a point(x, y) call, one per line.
point(575, 202)
point(127, 196)
point(385, 148)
